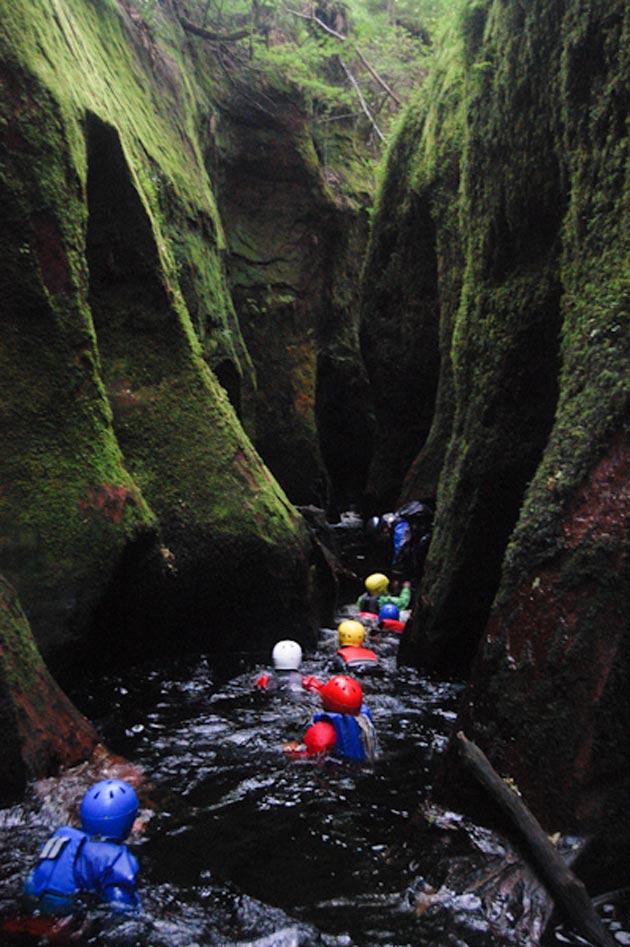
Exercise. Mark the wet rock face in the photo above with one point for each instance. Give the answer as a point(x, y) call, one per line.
point(124, 469)
point(295, 251)
point(41, 728)
point(399, 341)
point(528, 566)
point(555, 659)
point(558, 633)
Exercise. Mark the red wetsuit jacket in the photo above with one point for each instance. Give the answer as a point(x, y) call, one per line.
point(354, 658)
point(391, 624)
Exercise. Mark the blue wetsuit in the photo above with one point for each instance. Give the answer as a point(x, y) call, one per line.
point(355, 735)
point(72, 863)
point(402, 536)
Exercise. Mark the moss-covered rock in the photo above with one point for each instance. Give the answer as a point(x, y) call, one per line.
point(530, 551)
point(555, 661)
point(399, 327)
point(68, 503)
point(411, 289)
point(41, 728)
point(126, 475)
point(504, 346)
point(296, 226)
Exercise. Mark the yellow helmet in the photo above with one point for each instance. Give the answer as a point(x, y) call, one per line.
point(377, 583)
point(350, 632)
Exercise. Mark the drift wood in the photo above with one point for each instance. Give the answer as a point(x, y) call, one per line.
point(565, 887)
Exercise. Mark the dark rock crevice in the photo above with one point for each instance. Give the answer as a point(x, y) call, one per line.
point(399, 343)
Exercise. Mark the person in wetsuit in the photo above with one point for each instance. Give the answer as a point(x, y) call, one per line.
point(352, 656)
point(389, 618)
point(376, 585)
point(90, 860)
point(377, 594)
point(344, 726)
point(286, 657)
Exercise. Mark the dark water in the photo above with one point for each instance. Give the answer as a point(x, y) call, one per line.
point(247, 846)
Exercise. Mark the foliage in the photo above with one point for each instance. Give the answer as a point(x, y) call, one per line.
point(350, 59)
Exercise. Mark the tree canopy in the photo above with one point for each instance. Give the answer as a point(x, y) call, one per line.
point(351, 59)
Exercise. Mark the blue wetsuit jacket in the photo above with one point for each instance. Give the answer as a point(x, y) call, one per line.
point(351, 740)
point(72, 863)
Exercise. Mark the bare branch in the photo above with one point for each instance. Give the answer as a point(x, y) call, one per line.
point(378, 78)
point(204, 18)
point(320, 23)
point(565, 887)
point(364, 105)
point(339, 36)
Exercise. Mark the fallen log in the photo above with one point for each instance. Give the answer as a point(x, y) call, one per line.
point(566, 888)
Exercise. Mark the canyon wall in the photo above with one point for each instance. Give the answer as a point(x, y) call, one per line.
point(524, 182)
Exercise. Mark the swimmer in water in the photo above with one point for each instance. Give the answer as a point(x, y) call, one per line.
point(344, 726)
point(286, 658)
point(93, 859)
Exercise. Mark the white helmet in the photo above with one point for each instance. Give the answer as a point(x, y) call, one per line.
point(286, 656)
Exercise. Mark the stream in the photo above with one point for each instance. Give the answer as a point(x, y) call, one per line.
point(245, 846)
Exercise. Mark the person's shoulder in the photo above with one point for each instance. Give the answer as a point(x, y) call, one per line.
point(60, 838)
point(104, 854)
point(68, 830)
point(104, 848)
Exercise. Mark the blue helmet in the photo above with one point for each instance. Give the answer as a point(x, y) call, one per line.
point(109, 808)
point(389, 611)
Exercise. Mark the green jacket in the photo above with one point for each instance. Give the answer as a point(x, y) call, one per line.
point(402, 600)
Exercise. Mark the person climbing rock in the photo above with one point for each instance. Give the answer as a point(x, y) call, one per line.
point(344, 726)
point(352, 656)
point(90, 860)
point(286, 657)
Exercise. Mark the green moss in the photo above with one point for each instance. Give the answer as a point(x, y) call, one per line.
point(595, 392)
point(530, 524)
point(411, 286)
point(59, 443)
point(75, 475)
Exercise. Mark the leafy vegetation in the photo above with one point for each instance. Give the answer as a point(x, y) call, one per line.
point(352, 60)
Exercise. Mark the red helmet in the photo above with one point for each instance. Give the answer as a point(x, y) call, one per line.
point(342, 695)
point(319, 738)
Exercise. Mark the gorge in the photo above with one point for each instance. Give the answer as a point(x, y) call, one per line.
point(215, 322)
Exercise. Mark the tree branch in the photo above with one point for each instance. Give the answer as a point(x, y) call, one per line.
point(364, 105)
point(378, 78)
point(342, 38)
point(211, 35)
point(320, 23)
point(560, 880)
